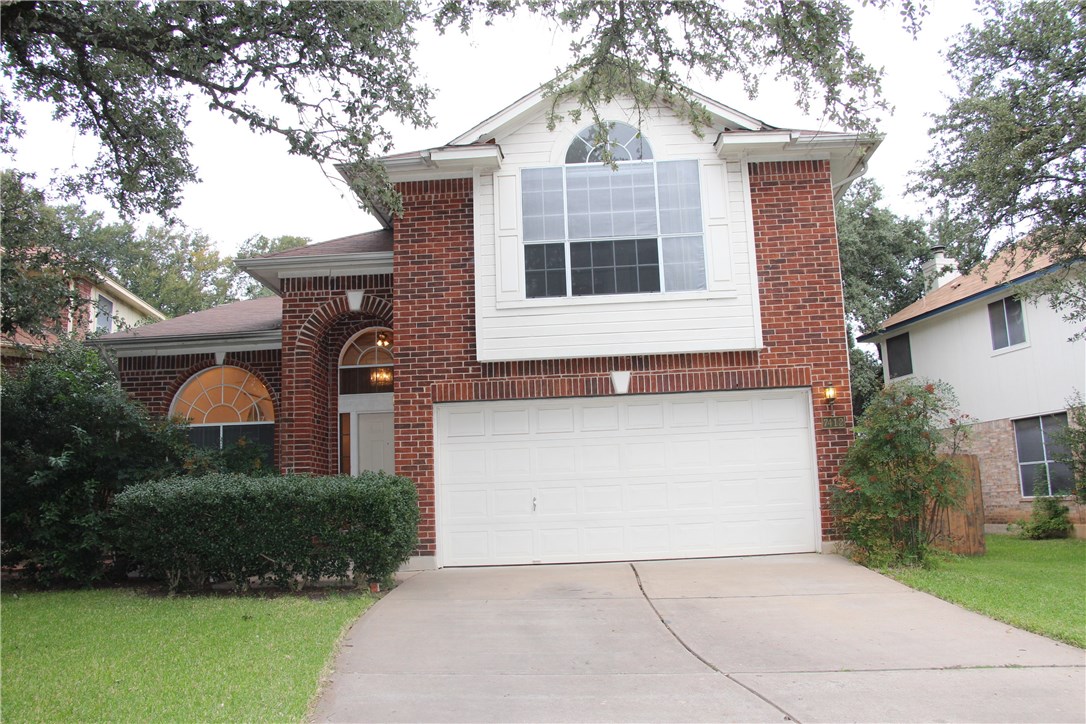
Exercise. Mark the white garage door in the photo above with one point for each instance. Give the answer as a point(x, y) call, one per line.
point(625, 478)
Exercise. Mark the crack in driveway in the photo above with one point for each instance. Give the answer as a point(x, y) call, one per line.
point(702, 659)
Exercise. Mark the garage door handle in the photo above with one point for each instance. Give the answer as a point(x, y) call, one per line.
point(533, 503)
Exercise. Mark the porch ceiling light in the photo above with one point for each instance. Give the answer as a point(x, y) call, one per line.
point(383, 340)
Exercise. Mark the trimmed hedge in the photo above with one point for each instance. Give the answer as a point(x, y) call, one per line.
point(290, 529)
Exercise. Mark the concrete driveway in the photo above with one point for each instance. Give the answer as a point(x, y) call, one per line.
point(808, 638)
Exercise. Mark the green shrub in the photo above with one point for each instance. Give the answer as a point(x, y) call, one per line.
point(898, 475)
point(243, 456)
point(71, 439)
point(1070, 444)
point(290, 529)
point(1049, 518)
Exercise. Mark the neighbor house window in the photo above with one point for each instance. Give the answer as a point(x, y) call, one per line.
point(899, 357)
point(590, 229)
point(1007, 323)
point(1038, 448)
point(227, 406)
point(103, 320)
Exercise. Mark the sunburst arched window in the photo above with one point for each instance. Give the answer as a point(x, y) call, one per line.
point(224, 405)
point(365, 364)
point(623, 141)
point(633, 226)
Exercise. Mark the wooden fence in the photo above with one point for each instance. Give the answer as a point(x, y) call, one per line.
point(961, 530)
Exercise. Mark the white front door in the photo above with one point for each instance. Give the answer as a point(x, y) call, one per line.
point(626, 478)
point(374, 449)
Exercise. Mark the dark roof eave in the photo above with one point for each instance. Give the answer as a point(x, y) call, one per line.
point(991, 291)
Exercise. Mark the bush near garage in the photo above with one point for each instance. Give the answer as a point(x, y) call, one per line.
point(291, 530)
point(899, 475)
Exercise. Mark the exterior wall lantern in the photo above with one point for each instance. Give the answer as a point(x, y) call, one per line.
point(830, 394)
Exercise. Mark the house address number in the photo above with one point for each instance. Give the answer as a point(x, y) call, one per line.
point(832, 423)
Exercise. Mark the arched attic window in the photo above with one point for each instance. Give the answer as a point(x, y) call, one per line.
point(365, 364)
point(591, 229)
point(224, 405)
point(624, 141)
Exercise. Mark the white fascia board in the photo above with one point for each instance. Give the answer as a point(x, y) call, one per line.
point(269, 271)
point(443, 163)
point(509, 114)
point(848, 153)
point(734, 145)
point(728, 114)
point(193, 344)
point(122, 294)
point(493, 126)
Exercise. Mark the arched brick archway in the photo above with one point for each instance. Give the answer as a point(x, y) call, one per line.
point(313, 332)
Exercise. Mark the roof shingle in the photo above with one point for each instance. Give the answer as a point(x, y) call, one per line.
point(1006, 267)
point(251, 315)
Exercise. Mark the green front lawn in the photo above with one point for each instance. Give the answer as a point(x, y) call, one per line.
point(1037, 585)
point(119, 655)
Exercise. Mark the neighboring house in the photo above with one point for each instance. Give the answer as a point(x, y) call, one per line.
point(109, 307)
point(573, 363)
point(1010, 364)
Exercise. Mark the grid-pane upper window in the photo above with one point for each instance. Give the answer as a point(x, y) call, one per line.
point(227, 406)
point(103, 321)
point(1038, 448)
point(623, 140)
point(590, 229)
point(366, 363)
point(1007, 323)
point(224, 394)
point(899, 356)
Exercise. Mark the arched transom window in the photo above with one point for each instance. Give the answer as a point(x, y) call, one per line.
point(593, 229)
point(225, 404)
point(623, 140)
point(365, 364)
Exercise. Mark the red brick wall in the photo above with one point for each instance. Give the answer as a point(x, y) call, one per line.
point(316, 323)
point(802, 318)
point(799, 278)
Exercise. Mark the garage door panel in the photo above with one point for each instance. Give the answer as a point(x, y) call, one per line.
point(625, 478)
point(511, 463)
point(690, 414)
point(781, 410)
point(602, 499)
point(645, 417)
point(733, 413)
point(511, 422)
point(599, 418)
point(465, 424)
point(554, 420)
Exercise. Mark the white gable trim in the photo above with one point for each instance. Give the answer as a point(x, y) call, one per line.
point(530, 104)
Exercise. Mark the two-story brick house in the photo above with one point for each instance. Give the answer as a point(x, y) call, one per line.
point(573, 361)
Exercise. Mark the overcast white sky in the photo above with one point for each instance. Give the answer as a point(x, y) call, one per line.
point(252, 186)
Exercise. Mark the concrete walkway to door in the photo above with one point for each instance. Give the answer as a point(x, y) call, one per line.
point(808, 638)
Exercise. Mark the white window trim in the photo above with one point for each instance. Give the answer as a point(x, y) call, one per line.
point(641, 298)
point(1017, 459)
point(730, 292)
point(1025, 330)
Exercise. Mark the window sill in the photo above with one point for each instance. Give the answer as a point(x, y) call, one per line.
point(1008, 350)
point(605, 299)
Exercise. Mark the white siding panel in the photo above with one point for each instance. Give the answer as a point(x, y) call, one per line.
point(511, 328)
point(1034, 378)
